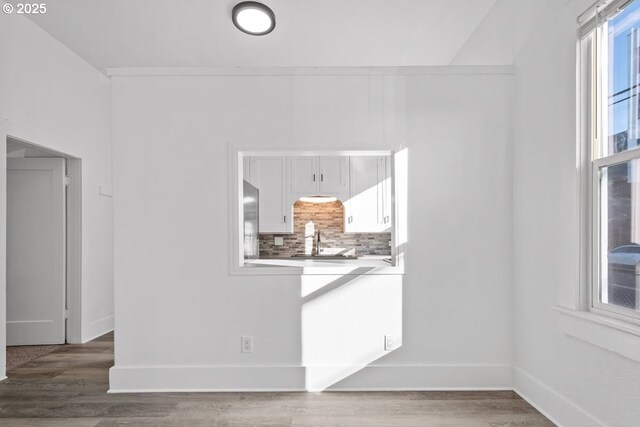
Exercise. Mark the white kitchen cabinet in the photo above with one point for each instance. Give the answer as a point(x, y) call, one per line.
point(387, 205)
point(368, 209)
point(323, 175)
point(304, 175)
point(334, 175)
point(362, 210)
point(269, 175)
point(247, 163)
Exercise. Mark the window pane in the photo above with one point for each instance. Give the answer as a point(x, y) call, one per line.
point(620, 47)
point(620, 235)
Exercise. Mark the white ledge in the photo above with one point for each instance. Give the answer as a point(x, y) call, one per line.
point(604, 332)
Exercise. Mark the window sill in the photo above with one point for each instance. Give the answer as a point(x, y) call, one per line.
point(610, 334)
point(344, 270)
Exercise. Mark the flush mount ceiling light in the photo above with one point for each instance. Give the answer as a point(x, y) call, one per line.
point(318, 199)
point(253, 18)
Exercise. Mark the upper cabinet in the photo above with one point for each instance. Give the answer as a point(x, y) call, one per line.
point(387, 194)
point(304, 175)
point(325, 175)
point(247, 163)
point(269, 175)
point(334, 175)
point(368, 210)
point(362, 183)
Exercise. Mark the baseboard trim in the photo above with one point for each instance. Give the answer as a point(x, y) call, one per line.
point(553, 405)
point(134, 379)
point(97, 328)
point(424, 377)
point(206, 390)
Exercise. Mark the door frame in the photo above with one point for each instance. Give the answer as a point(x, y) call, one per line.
point(73, 256)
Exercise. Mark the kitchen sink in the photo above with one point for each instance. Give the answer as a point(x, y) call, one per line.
point(323, 256)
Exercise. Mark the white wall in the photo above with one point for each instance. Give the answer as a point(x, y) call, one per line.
point(574, 382)
point(180, 315)
point(50, 97)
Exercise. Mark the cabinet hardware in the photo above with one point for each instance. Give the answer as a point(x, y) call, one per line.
point(321, 177)
point(314, 177)
point(285, 218)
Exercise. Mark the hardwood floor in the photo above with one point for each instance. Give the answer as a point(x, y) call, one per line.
point(67, 388)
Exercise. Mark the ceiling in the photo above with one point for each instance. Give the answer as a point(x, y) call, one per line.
point(309, 33)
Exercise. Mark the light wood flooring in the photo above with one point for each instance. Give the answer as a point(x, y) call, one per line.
point(68, 388)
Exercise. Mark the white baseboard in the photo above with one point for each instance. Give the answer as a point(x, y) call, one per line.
point(427, 377)
point(560, 410)
point(133, 379)
point(97, 328)
point(295, 378)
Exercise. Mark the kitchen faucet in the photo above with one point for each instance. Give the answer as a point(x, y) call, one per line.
point(316, 242)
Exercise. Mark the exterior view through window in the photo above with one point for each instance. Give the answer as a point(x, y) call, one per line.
point(615, 62)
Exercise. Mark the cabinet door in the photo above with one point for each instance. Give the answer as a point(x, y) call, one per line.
point(386, 193)
point(247, 163)
point(363, 209)
point(334, 175)
point(304, 175)
point(270, 175)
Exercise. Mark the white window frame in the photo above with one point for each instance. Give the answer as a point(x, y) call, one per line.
point(399, 205)
point(593, 119)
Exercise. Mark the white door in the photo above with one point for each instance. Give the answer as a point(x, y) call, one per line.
point(35, 251)
point(304, 176)
point(270, 175)
point(334, 175)
point(363, 209)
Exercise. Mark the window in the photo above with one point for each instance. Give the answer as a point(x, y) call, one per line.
point(610, 48)
point(318, 211)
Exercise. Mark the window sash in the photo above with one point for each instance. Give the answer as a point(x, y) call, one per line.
point(597, 230)
point(600, 12)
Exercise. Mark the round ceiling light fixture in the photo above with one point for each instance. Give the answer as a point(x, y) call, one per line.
point(253, 18)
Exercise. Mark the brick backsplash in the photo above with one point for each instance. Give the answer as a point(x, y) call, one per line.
point(329, 219)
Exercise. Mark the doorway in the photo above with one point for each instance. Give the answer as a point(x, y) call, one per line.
point(43, 245)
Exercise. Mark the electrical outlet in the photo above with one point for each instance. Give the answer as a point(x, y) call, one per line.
point(388, 342)
point(246, 344)
point(279, 241)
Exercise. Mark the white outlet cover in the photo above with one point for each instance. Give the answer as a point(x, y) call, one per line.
point(246, 344)
point(279, 241)
point(388, 342)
